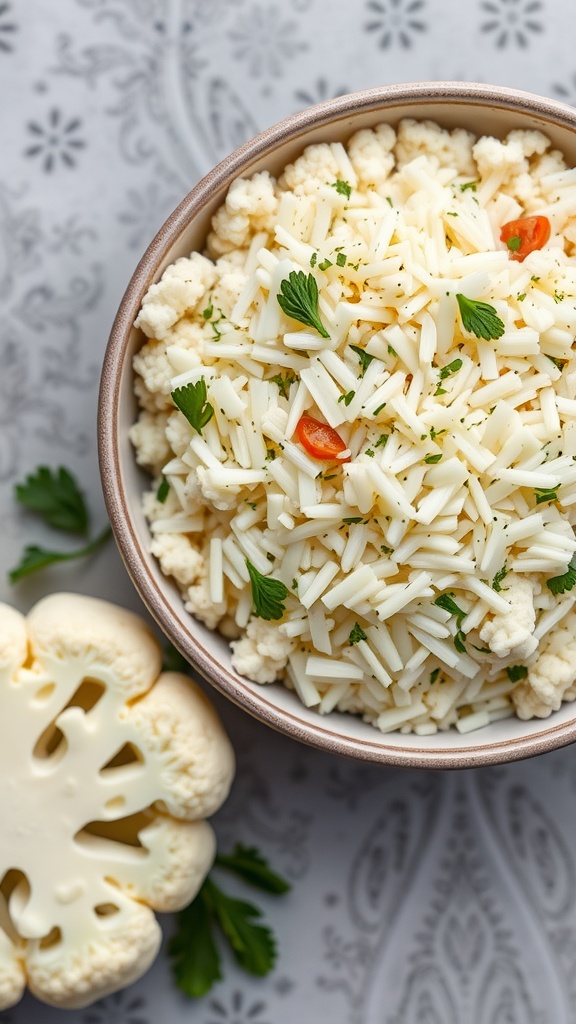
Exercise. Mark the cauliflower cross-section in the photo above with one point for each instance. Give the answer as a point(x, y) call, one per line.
point(111, 769)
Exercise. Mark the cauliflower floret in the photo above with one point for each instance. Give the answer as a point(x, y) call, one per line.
point(88, 685)
point(178, 432)
point(250, 206)
point(189, 335)
point(532, 142)
point(511, 633)
point(229, 286)
point(551, 675)
point(154, 509)
point(153, 367)
point(426, 138)
point(178, 557)
point(178, 291)
point(309, 172)
point(201, 605)
point(370, 152)
point(507, 157)
point(148, 436)
point(263, 652)
point(198, 488)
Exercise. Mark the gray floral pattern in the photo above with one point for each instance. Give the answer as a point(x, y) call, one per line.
point(416, 898)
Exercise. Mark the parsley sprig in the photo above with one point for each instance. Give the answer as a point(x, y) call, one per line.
point(268, 595)
point(191, 400)
point(298, 298)
point(55, 496)
point(196, 960)
point(447, 602)
point(480, 318)
point(516, 672)
point(566, 581)
point(499, 577)
point(447, 371)
point(364, 358)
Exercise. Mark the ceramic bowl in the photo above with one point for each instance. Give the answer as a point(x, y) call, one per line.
point(482, 109)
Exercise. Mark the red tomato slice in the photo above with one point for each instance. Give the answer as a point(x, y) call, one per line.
point(320, 440)
point(525, 235)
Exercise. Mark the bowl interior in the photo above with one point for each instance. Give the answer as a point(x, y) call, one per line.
point(482, 110)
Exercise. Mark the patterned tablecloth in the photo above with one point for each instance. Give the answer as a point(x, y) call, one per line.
point(429, 898)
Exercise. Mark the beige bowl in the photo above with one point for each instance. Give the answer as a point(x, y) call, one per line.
point(480, 108)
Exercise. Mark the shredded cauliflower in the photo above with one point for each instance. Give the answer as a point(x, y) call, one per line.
point(393, 229)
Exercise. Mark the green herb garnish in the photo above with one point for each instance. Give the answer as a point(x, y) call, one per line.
point(544, 494)
point(382, 440)
point(357, 634)
point(514, 243)
point(56, 497)
point(342, 188)
point(448, 371)
point(313, 259)
point(560, 584)
point(434, 675)
point(268, 595)
point(191, 400)
point(196, 960)
point(341, 259)
point(352, 519)
point(298, 299)
point(432, 459)
point(283, 383)
point(163, 490)
point(468, 186)
point(516, 672)
point(364, 357)
point(480, 318)
point(497, 581)
point(460, 642)
point(347, 398)
point(447, 602)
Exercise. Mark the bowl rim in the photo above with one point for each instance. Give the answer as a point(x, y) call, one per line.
point(134, 557)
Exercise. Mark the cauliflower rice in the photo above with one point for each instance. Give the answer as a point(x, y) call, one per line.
point(417, 571)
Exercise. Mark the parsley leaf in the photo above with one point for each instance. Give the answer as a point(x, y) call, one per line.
point(497, 581)
point(342, 188)
point(357, 634)
point(268, 595)
point(56, 497)
point(163, 490)
point(248, 863)
point(480, 318)
point(191, 400)
point(516, 672)
point(283, 383)
point(347, 398)
point(434, 675)
point(298, 298)
point(341, 259)
point(432, 459)
point(460, 642)
point(364, 358)
point(382, 440)
point(196, 963)
point(468, 185)
point(196, 960)
point(560, 584)
point(544, 494)
point(352, 519)
point(448, 371)
point(446, 602)
point(36, 558)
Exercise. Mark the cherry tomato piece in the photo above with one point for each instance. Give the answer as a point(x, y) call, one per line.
point(525, 235)
point(320, 440)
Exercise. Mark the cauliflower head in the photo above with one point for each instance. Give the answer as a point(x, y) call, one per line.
point(263, 652)
point(113, 768)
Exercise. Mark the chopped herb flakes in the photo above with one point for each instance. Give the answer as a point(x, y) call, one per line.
point(516, 672)
point(283, 383)
point(560, 584)
point(514, 243)
point(342, 188)
point(163, 490)
point(364, 357)
point(544, 495)
point(498, 578)
point(357, 634)
point(432, 459)
point(347, 398)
